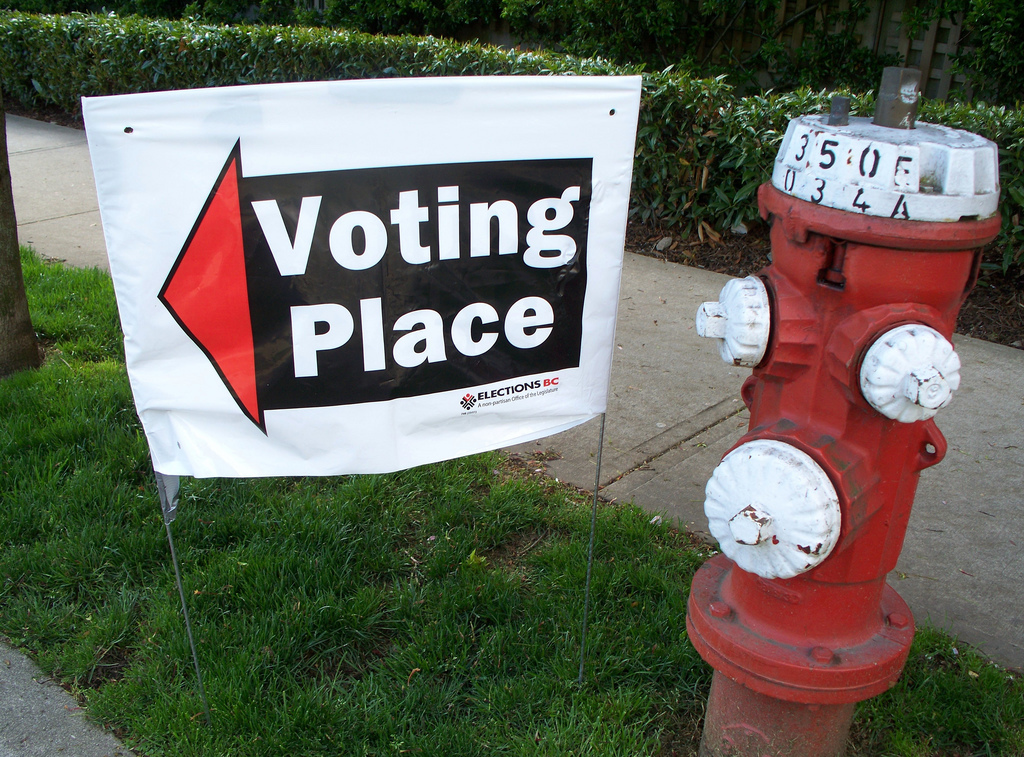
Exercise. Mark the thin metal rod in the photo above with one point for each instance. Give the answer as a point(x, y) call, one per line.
point(188, 625)
point(590, 552)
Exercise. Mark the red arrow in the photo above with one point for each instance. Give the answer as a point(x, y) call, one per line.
point(207, 294)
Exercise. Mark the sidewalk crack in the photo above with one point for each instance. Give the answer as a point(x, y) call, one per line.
point(682, 432)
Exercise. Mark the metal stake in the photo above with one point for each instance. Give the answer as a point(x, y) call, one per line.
point(590, 552)
point(167, 486)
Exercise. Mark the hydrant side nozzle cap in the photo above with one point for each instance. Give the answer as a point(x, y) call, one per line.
point(773, 509)
point(740, 320)
point(909, 373)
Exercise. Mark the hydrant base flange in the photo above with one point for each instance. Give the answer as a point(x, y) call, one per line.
point(822, 673)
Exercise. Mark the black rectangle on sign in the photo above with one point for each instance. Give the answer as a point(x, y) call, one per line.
point(374, 284)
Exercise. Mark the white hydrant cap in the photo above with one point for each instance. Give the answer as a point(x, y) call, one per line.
point(909, 373)
point(740, 320)
point(773, 510)
point(924, 173)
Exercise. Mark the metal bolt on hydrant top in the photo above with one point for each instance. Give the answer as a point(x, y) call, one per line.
point(876, 232)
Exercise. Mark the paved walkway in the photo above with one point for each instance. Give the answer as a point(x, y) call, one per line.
point(673, 412)
point(39, 719)
point(54, 194)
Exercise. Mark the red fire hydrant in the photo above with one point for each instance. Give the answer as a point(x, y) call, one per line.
point(876, 230)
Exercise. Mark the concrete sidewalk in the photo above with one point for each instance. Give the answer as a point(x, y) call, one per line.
point(675, 409)
point(54, 193)
point(39, 719)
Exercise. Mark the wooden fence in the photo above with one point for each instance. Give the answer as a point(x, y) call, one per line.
point(736, 37)
point(882, 31)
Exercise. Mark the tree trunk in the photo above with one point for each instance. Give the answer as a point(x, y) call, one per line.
point(18, 347)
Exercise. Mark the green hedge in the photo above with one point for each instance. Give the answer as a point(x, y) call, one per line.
point(701, 151)
point(657, 33)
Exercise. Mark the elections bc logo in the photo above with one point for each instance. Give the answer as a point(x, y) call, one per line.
point(512, 392)
point(344, 287)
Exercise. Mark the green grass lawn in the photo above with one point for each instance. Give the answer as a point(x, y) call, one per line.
point(431, 612)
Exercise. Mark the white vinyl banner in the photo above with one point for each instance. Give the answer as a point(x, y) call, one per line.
point(364, 276)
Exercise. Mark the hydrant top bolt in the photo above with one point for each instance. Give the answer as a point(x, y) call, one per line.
point(898, 97)
point(909, 373)
point(839, 115)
